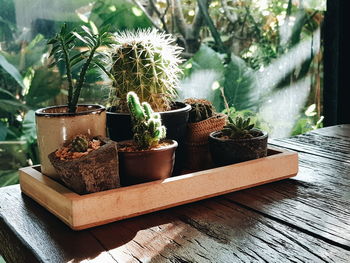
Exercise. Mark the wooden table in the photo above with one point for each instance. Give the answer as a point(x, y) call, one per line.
point(304, 219)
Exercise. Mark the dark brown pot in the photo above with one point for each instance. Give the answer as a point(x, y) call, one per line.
point(149, 165)
point(230, 151)
point(95, 172)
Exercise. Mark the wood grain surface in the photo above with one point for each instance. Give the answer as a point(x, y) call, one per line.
point(304, 219)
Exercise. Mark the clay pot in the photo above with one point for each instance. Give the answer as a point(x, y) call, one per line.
point(120, 128)
point(94, 172)
point(55, 126)
point(148, 165)
point(229, 151)
point(197, 146)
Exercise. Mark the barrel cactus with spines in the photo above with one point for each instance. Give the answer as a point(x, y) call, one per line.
point(146, 62)
point(147, 124)
point(80, 143)
point(201, 110)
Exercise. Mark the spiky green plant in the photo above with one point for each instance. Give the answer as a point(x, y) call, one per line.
point(146, 62)
point(147, 124)
point(64, 51)
point(238, 129)
point(80, 143)
point(201, 109)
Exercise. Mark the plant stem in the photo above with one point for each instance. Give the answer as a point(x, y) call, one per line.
point(204, 9)
point(71, 108)
point(82, 74)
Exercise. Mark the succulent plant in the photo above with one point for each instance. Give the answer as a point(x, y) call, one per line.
point(80, 143)
point(201, 109)
point(238, 129)
point(64, 51)
point(146, 62)
point(147, 124)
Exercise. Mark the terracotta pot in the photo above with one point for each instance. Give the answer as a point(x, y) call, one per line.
point(230, 151)
point(149, 165)
point(119, 129)
point(95, 172)
point(55, 127)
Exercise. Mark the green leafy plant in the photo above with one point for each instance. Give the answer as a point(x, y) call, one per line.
point(63, 47)
point(238, 129)
point(147, 124)
point(201, 109)
point(146, 62)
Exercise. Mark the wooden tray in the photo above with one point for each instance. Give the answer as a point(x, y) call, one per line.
point(84, 211)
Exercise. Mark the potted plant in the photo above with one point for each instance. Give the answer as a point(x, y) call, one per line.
point(146, 62)
point(55, 125)
point(147, 157)
point(202, 121)
point(237, 142)
point(87, 164)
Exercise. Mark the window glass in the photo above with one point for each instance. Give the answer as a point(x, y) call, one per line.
point(257, 58)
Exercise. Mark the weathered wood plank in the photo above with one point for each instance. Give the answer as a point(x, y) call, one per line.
point(214, 230)
point(331, 142)
point(29, 233)
point(317, 200)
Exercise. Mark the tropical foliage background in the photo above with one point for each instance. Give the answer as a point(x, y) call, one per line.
point(258, 58)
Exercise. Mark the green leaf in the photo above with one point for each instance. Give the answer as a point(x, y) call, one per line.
point(81, 38)
point(45, 85)
point(100, 66)
point(239, 85)
point(52, 41)
point(87, 31)
point(29, 128)
point(3, 131)
point(5, 94)
point(11, 106)
point(8, 178)
point(10, 69)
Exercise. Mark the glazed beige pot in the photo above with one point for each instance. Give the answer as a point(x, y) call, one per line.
point(55, 126)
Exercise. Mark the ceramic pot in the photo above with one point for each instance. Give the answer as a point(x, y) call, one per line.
point(229, 151)
point(119, 128)
point(144, 166)
point(55, 126)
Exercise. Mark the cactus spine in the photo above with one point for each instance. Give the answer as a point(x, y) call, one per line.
point(147, 124)
point(80, 143)
point(239, 129)
point(146, 62)
point(201, 110)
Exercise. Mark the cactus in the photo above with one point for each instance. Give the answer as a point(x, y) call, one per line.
point(239, 129)
point(146, 62)
point(147, 124)
point(80, 143)
point(201, 109)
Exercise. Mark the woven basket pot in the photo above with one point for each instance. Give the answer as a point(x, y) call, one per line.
point(197, 148)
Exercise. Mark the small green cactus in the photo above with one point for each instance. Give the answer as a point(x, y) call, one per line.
point(146, 62)
point(80, 143)
point(239, 129)
point(147, 124)
point(201, 109)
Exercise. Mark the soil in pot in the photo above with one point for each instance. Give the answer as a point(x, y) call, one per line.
point(119, 128)
point(140, 166)
point(225, 151)
point(92, 170)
